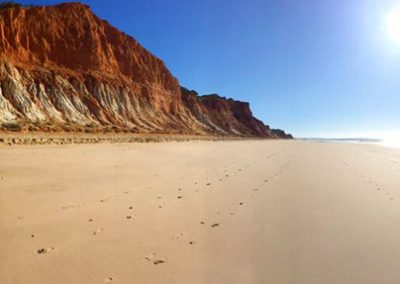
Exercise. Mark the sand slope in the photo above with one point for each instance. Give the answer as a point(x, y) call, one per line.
point(200, 212)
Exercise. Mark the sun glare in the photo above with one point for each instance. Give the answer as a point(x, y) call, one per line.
point(392, 24)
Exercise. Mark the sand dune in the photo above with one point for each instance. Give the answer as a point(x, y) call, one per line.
point(200, 212)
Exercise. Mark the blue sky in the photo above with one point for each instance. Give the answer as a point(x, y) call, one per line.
point(311, 67)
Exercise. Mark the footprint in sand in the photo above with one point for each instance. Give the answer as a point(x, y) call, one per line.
point(158, 261)
point(44, 250)
point(68, 207)
point(178, 236)
point(149, 257)
point(98, 231)
point(155, 261)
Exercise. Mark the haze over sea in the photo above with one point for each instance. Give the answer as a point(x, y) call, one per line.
point(391, 142)
point(394, 143)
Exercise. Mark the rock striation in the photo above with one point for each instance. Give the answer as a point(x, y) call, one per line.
point(64, 69)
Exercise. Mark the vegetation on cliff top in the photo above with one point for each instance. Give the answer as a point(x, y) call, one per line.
point(11, 4)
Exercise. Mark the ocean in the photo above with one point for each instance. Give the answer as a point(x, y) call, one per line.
point(391, 143)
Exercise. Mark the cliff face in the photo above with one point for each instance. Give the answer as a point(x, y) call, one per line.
point(62, 68)
point(223, 115)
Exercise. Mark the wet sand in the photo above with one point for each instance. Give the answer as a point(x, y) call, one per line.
point(200, 212)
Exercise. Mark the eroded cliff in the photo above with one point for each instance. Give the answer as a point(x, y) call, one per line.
point(64, 69)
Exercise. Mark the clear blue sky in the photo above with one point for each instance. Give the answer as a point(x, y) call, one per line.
point(311, 67)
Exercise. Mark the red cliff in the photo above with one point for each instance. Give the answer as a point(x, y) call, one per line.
point(63, 68)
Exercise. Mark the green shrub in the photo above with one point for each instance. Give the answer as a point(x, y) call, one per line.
point(8, 4)
point(12, 126)
point(11, 4)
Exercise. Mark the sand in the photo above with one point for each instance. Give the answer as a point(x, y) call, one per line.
point(200, 212)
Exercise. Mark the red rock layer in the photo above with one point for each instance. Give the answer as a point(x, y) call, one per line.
point(61, 67)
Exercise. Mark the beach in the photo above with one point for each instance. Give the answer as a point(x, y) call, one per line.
point(262, 211)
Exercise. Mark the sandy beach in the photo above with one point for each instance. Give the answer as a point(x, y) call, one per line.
point(200, 212)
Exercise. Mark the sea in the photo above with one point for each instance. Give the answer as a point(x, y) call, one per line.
point(391, 143)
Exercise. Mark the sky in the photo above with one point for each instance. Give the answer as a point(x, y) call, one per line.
point(315, 68)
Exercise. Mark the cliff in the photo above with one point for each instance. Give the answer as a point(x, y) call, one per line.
point(64, 69)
